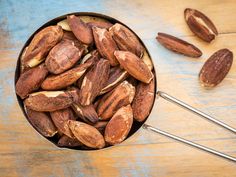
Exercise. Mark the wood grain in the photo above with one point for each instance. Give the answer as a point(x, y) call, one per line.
point(23, 152)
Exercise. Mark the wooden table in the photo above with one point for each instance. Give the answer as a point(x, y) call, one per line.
point(23, 152)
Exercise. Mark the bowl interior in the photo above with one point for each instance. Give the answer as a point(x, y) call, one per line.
point(136, 125)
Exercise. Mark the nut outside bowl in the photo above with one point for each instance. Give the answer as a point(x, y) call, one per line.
point(136, 125)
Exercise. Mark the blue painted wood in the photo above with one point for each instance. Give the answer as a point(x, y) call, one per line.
point(25, 153)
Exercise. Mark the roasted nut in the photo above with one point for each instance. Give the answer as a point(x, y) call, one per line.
point(92, 57)
point(41, 122)
point(100, 24)
point(64, 25)
point(86, 113)
point(94, 81)
point(60, 119)
point(63, 56)
point(116, 76)
point(119, 126)
point(87, 134)
point(216, 68)
point(178, 45)
point(122, 95)
point(134, 66)
point(30, 80)
point(41, 44)
point(126, 40)
point(48, 100)
point(200, 24)
point(80, 29)
point(66, 141)
point(105, 44)
point(143, 100)
point(56, 82)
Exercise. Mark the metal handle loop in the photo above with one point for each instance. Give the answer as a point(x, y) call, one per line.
point(199, 113)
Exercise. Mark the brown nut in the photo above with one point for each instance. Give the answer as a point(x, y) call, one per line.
point(41, 122)
point(66, 141)
point(178, 45)
point(116, 76)
point(119, 126)
point(126, 40)
point(30, 80)
point(200, 25)
point(87, 134)
point(216, 68)
point(105, 44)
point(86, 113)
point(60, 119)
point(122, 95)
point(80, 29)
point(48, 100)
point(143, 100)
point(100, 24)
point(56, 82)
point(94, 81)
point(63, 56)
point(134, 66)
point(41, 44)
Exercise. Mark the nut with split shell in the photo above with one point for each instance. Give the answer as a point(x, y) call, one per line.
point(116, 76)
point(80, 29)
point(56, 82)
point(122, 95)
point(105, 44)
point(48, 101)
point(134, 66)
point(94, 81)
point(31, 80)
point(126, 40)
point(200, 24)
point(41, 44)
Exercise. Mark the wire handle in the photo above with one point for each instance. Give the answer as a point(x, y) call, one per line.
point(190, 143)
point(199, 113)
point(195, 111)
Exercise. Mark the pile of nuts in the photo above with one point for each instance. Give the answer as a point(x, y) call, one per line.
point(218, 65)
point(85, 81)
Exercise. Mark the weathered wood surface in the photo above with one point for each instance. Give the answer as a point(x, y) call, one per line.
point(23, 152)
